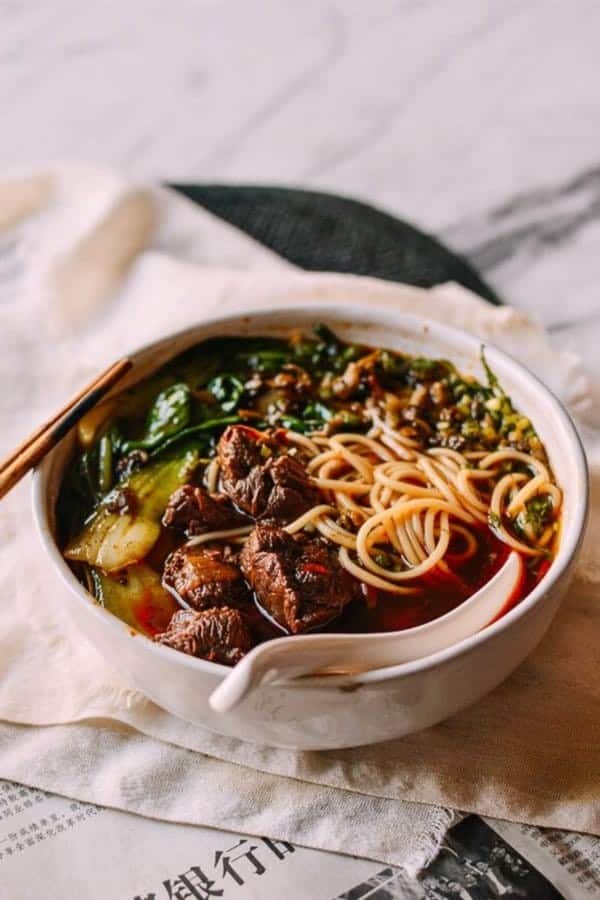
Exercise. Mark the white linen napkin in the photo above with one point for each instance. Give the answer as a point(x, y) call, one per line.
point(125, 751)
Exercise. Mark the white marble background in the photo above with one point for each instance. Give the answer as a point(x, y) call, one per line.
point(479, 121)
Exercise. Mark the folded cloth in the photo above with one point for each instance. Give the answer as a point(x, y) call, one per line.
point(122, 768)
point(503, 757)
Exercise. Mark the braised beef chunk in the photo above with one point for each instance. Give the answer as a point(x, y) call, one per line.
point(260, 479)
point(240, 449)
point(194, 511)
point(292, 493)
point(219, 635)
point(297, 580)
point(205, 576)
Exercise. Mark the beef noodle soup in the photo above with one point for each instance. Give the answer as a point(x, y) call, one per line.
point(256, 487)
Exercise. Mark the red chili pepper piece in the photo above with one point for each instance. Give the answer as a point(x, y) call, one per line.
point(315, 568)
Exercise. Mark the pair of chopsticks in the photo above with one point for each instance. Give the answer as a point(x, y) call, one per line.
point(37, 445)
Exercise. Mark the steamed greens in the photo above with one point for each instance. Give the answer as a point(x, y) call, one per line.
point(126, 524)
point(169, 414)
point(137, 597)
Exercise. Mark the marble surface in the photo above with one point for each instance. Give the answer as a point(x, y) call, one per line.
point(478, 121)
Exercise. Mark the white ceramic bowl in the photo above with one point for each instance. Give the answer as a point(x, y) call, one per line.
point(331, 712)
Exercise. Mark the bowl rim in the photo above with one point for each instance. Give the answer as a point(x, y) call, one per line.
point(378, 314)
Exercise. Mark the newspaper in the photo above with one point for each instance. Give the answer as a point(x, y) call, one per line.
point(570, 861)
point(62, 849)
point(488, 858)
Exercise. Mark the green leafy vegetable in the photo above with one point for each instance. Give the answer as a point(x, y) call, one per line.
point(88, 468)
point(136, 596)
point(171, 411)
point(264, 355)
point(228, 390)
point(199, 364)
point(79, 493)
point(202, 431)
point(169, 414)
point(110, 540)
point(314, 417)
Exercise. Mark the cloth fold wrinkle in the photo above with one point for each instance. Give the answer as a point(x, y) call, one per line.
point(120, 768)
point(482, 760)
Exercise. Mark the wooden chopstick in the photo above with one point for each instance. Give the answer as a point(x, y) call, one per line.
point(36, 446)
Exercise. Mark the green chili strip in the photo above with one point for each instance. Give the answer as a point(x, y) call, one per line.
point(105, 464)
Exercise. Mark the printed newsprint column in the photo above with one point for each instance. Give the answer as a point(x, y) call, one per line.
point(61, 849)
point(488, 858)
point(569, 860)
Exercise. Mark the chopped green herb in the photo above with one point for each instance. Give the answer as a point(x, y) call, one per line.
point(265, 361)
point(539, 512)
point(317, 410)
point(393, 364)
point(494, 521)
point(382, 559)
point(326, 335)
point(492, 378)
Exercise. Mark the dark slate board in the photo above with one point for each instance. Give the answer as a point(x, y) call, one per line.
point(323, 232)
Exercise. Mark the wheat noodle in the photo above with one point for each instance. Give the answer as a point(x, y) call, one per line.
point(397, 511)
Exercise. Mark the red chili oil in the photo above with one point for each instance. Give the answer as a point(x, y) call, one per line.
point(443, 590)
point(152, 611)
